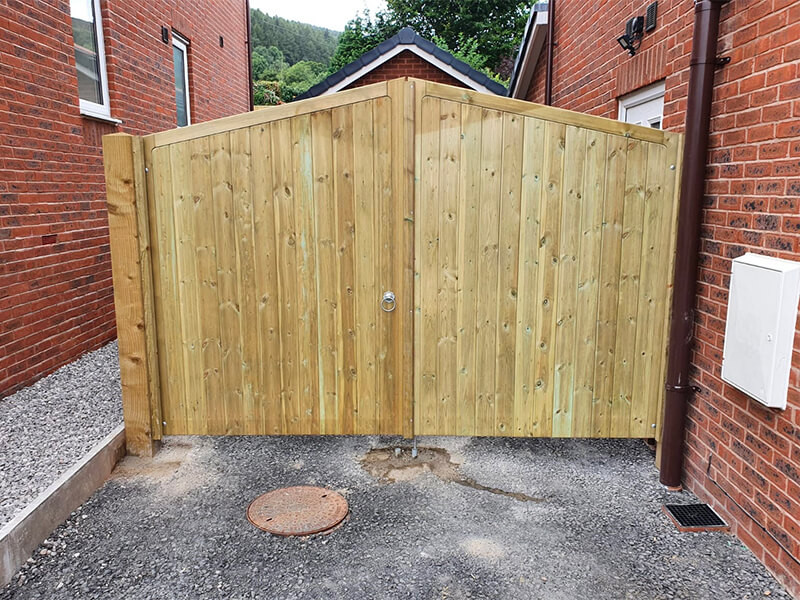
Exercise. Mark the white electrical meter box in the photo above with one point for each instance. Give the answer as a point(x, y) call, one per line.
point(759, 333)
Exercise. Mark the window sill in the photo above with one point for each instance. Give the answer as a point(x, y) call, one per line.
point(102, 118)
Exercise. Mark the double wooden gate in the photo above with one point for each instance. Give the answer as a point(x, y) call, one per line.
point(529, 251)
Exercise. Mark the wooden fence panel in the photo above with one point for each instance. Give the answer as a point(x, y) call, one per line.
point(274, 242)
point(544, 263)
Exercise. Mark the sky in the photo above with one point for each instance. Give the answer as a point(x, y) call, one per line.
point(332, 14)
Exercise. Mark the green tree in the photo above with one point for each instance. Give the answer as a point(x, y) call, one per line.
point(480, 32)
point(496, 26)
point(268, 62)
point(360, 35)
point(299, 77)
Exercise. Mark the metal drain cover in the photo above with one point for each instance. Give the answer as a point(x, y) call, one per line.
point(300, 510)
point(695, 517)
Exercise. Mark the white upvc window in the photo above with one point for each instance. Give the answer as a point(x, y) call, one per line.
point(180, 58)
point(645, 106)
point(90, 58)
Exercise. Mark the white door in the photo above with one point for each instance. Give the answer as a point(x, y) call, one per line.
point(645, 106)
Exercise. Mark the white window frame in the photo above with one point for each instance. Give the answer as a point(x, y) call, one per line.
point(641, 96)
point(87, 107)
point(182, 44)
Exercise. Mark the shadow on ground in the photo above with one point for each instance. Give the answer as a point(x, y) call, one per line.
point(488, 518)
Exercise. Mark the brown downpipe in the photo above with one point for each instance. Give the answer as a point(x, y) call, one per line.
point(695, 151)
point(249, 55)
point(548, 84)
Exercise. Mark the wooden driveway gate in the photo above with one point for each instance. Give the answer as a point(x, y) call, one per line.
point(529, 252)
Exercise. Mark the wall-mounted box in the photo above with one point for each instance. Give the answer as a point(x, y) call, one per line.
point(759, 333)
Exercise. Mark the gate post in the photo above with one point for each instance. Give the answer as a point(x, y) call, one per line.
point(126, 198)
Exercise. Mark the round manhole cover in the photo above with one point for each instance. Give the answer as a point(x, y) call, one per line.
point(301, 510)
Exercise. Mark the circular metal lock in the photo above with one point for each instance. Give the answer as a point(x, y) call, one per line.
point(388, 302)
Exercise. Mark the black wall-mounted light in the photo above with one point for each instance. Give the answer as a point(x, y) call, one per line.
point(165, 34)
point(632, 38)
point(221, 42)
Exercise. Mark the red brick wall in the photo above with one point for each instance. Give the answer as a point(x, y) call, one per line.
point(406, 64)
point(56, 299)
point(752, 204)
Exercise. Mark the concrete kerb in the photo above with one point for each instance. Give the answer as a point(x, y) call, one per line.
point(23, 534)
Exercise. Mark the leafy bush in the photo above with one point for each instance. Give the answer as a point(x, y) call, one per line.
point(299, 77)
point(267, 93)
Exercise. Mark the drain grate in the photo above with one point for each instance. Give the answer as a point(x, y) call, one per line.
point(300, 510)
point(695, 517)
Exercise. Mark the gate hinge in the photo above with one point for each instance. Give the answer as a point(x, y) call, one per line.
point(681, 389)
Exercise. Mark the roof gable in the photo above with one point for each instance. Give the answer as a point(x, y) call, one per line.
point(406, 39)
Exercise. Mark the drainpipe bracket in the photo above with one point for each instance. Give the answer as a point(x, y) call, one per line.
point(723, 60)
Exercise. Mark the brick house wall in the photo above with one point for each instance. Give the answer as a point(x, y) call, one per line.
point(56, 300)
point(752, 203)
point(406, 64)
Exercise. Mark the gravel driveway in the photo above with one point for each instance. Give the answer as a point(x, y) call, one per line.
point(48, 426)
point(584, 522)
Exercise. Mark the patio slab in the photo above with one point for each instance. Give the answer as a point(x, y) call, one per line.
point(583, 520)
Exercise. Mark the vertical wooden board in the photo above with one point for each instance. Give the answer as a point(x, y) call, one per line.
point(183, 206)
point(307, 275)
point(227, 413)
point(327, 261)
point(564, 347)
point(344, 199)
point(630, 260)
point(547, 284)
point(591, 219)
point(287, 264)
point(488, 242)
point(527, 310)
point(366, 300)
point(427, 267)
point(387, 323)
point(447, 272)
point(404, 190)
point(205, 252)
point(508, 272)
point(241, 172)
point(469, 226)
point(168, 318)
point(143, 187)
point(674, 152)
point(652, 291)
point(611, 245)
point(267, 324)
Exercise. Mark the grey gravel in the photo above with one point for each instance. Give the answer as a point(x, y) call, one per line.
point(175, 527)
point(48, 426)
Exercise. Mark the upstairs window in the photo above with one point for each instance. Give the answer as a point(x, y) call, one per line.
point(90, 57)
point(644, 107)
point(180, 58)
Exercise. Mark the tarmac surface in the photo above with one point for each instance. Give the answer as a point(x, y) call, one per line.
point(471, 518)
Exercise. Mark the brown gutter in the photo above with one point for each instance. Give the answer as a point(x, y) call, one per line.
point(548, 83)
point(690, 214)
point(249, 55)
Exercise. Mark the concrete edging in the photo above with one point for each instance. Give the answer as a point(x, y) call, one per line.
point(23, 534)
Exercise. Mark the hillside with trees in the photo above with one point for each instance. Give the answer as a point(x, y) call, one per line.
point(288, 57)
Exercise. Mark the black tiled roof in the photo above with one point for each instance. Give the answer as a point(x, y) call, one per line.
point(406, 36)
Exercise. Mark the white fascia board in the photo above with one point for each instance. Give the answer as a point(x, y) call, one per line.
point(529, 61)
point(426, 56)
